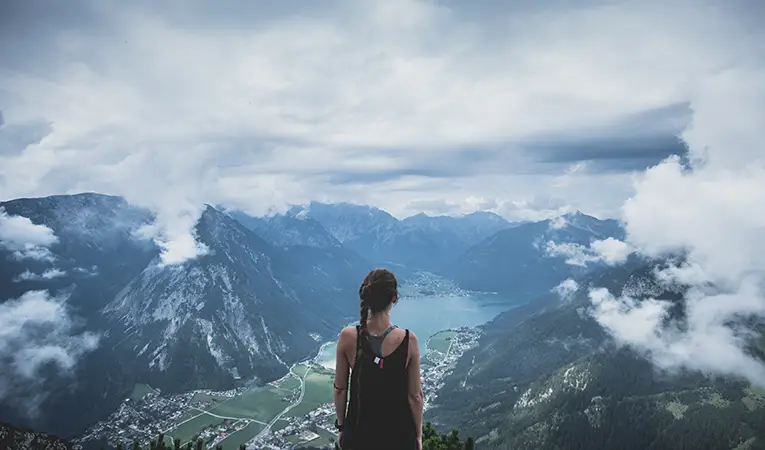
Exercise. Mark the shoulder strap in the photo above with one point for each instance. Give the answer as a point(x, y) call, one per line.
point(406, 349)
point(358, 344)
point(387, 332)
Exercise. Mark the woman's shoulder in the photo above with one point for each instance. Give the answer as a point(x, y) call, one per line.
point(346, 333)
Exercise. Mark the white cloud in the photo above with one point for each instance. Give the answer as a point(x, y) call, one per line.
point(575, 254)
point(25, 238)
point(608, 251)
point(225, 107)
point(713, 214)
point(47, 275)
point(36, 330)
point(558, 223)
point(566, 289)
point(611, 251)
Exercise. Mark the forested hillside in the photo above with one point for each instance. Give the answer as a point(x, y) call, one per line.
point(552, 379)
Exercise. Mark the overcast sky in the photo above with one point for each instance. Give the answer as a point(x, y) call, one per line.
point(441, 106)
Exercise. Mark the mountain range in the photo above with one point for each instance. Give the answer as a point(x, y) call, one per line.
point(266, 294)
point(546, 376)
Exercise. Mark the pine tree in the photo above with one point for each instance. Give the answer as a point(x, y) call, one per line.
point(469, 444)
point(177, 444)
point(200, 444)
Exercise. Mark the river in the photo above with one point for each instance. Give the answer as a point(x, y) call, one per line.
point(427, 315)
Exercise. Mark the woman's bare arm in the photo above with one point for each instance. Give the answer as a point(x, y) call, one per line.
point(342, 368)
point(415, 383)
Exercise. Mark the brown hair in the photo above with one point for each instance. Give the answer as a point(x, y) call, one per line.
point(377, 291)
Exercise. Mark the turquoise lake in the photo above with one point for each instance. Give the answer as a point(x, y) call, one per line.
point(427, 315)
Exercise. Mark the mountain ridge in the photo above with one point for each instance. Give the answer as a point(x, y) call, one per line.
point(563, 383)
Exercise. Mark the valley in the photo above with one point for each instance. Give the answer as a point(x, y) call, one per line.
point(236, 346)
point(296, 409)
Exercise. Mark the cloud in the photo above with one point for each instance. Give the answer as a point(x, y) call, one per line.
point(558, 223)
point(609, 251)
point(47, 275)
point(14, 138)
point(259, 106)
point(36, 331)
point(709, 210)
point(534, 209)
point(25, 238)
point(566, 289)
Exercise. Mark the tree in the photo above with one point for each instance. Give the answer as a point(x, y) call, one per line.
point(432, 440)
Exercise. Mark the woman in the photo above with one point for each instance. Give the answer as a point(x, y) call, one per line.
point(385, 407)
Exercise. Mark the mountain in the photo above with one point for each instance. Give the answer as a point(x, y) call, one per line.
point(13, 438)
point(518, 261)
point(224, 315)
point(94, 257)
point(288, 230)
point(547, 377)
point(419, 242)
point(247, 309)
point(470, 228)
point(381, 238)
point(91, 230)
point(312, 258)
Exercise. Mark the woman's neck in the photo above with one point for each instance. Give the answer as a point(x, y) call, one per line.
point(378, 322)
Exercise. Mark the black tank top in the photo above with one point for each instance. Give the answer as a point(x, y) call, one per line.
point(379, 415)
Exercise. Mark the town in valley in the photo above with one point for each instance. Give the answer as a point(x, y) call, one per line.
point(296, 410)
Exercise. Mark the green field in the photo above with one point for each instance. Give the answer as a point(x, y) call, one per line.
point(262, 404)
point(290, 383)
point(242, 436)
point(201, 397)
point(318, 390)
point(300, 369)
point(440, 342)
point(185, 432)
point(139, 390)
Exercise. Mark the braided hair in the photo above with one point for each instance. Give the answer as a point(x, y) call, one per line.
point(377, 291)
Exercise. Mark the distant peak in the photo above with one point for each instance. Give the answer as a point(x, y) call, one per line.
point(577, 215)
point(302, 215)
point(483, 214)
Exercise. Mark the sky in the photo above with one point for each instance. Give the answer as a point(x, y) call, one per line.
point(444, 107)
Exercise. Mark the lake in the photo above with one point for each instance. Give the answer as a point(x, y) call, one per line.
point(427, 315)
